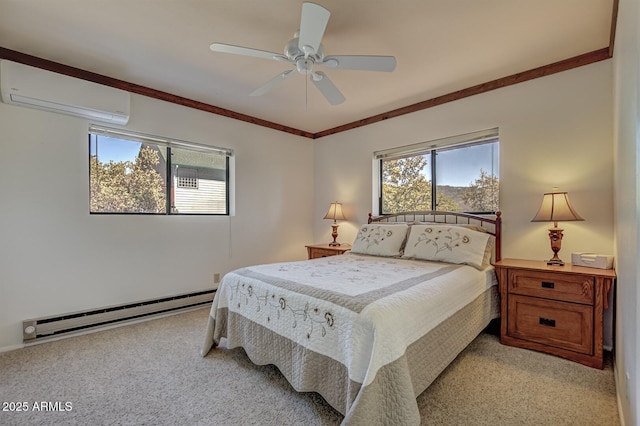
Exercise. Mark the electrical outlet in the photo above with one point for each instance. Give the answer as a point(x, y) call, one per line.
point(216, 278)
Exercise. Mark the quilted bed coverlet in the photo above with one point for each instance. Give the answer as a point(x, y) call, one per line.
point(342, 325)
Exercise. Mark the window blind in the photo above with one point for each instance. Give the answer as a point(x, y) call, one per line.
point(144, 138)
point(482, 136)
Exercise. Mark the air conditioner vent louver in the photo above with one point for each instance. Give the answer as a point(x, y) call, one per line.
point(32, 87)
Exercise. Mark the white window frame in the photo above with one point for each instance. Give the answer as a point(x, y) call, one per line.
point(176, 143)
point(478, 137)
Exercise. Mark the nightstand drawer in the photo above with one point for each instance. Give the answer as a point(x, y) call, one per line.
point(566, 287)
point(315, 251)
point(318, 252)
point(559, 324)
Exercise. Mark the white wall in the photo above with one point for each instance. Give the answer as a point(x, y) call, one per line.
point(554, 131)
point(56, 258)
point(627, 195)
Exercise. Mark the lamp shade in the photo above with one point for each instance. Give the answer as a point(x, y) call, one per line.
point(335, 212)
point(556, 207)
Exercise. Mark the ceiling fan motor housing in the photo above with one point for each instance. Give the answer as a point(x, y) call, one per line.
point(294, 53)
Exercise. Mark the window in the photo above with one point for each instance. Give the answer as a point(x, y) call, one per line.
point(187, 178)
point(136, 173)
point(454, 174)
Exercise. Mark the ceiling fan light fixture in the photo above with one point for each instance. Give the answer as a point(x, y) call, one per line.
point(304, 65)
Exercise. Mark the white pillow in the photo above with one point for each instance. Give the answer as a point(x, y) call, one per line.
point(462, 225)
point(488, 252)
point(380, 239)
point(448, 243)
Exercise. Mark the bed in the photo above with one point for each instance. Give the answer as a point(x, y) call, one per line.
point(371, 329)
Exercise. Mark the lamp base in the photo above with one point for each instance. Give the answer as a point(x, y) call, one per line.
point(555, 235)
point(555, 261)
point(334, 234)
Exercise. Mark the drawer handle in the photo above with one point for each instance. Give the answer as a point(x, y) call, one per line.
point(547, 322)
point(547, 284)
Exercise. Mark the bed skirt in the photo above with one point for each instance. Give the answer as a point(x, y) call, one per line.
point(391, 397)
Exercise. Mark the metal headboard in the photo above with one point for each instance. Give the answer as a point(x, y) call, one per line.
point(493, 225)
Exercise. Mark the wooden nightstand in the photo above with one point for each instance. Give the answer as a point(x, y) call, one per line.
point(554, 309)
point(323, 250)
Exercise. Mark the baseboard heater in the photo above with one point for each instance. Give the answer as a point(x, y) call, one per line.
point(43, 328)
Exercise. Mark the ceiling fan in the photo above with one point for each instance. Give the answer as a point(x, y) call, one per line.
point(305, 51)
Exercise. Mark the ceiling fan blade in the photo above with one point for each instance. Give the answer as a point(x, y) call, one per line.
point(327, 88)
point(312, 25)
point(272, 83)
point(246, 51)
point(363, 63)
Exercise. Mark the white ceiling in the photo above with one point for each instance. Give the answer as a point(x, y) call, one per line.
point(441, 46)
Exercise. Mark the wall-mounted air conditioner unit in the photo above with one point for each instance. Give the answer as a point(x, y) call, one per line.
point(37, 88)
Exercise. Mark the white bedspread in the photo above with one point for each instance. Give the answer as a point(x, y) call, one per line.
point(361, 311)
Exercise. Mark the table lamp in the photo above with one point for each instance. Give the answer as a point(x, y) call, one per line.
point(335, 213)
point(556, 208)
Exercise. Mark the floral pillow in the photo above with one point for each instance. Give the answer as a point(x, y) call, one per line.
point(488, 252)
point(380, 240)
point(446, 243)
point(462, 225)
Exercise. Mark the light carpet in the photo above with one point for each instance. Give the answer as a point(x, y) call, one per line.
point(152, 373)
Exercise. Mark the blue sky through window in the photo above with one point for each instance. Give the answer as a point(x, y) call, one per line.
point(116, 150)
point(461, 167)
